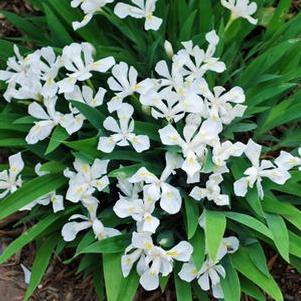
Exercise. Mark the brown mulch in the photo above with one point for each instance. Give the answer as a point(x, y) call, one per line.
point(18, 7)
point(60, 282)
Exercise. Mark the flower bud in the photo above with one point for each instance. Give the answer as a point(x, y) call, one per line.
point(168, 49)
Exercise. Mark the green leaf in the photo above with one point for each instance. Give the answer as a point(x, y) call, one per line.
point(245, 266)
point(295, 244)
point(25, 120)
point(69, 15)
point(115, 244)
point(199, 293)
point(24, 25)
point(279, 16)
point(125, 172)
point(7, 123)
point(250, 289)
point(163, 283)
point(128, 287)
point(185, 33)
point(198, 243)
point(118, 288)
point(215, 226)
point(256, 254)
point(60, 35)
point(40, 264)
point(287, 210)
point(192, 216)
point(205, 9)
point(251, 74)
point(29, 192)
point(58, 136)
point(6, 50)
point(149, 129)
point(98, 282)
point(280, 234)
point(53, 167)
point(13, 142)
point(250, 222)
point(87, 146)
point(112, 275)
point(94, 116)
point(208, 164)
point(183, 288)
point(230, 284)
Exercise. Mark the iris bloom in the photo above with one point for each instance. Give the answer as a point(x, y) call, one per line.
point(211, 272)
point(48, 119)
point(158, 188)
point(89, 7)
point(10, 180)
point(241, 9)
point(212, 191)
point(194, 143)
point(123, 132)
point(140, 210)
point(219, 103)
point(86, 179)
point(78, 60)
point(142, 9)
point(152, 260)
point(71, 229)
point(123, 83)
point(258, 171)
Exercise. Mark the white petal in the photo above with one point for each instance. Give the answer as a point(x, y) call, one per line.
point(171, 200)
point(203, 282)
point(188, 272)
point(69, 231)
point(151, 223)
point(127, 262)
point(106, 144)
point(217, 291)
point(191, 165)
point(149, 280)
point(67, 85)
point(253, 151)
point(181, 252)
point(104, 64)
point(212, 37)
point(170, 136)
point(77, 25)
point(101, 184)
point(57, 203)
point(142, 241)
point(99, 168)
point(36, 110)
point(27, 273)
point(197, 193)
point(39, 131)
point(140, 143)
point(278, 175)
point(152, 23)
point(16, 164)
point(241, 187)
point(143, 175)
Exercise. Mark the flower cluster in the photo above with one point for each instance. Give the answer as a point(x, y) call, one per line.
point(144, 9)
point(192, 116)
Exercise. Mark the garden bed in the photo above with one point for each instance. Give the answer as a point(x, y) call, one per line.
point(61, 282)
